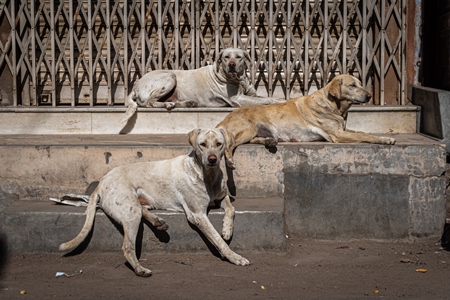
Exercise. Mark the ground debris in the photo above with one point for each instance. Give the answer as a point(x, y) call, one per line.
point(60, 274)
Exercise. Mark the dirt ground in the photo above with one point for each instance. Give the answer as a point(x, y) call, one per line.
point(310, 269)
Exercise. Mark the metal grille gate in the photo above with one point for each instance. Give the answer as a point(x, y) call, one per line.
point(89, 53)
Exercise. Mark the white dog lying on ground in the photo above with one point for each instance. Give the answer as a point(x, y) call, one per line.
point(187, 183)
point(220, 85)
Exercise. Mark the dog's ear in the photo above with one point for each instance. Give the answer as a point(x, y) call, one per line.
point(193, 136)
point(219, 60)
point(335, 88)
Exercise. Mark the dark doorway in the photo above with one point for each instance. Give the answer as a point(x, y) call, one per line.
point(436, 44)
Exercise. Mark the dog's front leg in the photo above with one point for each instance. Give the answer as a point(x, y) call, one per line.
point(228, 219)
point(157, 104)
point(360, 137)
point(213, 236)
point(187, 103)
point(244, 100)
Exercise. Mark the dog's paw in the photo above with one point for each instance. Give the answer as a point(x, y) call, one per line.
point(163, 227)
point(239, 260)
point(270, 143)
point(141, 271)
point(388, 140)
point(160, 224)
point(169, 105)
point(230, 163)
point(191, 103)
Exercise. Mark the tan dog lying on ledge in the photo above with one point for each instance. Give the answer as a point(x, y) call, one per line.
point(319, 116)
point(224, 84)
point(187, 183)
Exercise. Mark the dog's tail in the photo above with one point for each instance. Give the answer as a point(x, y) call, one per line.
point(131, 105)
point(90, 216)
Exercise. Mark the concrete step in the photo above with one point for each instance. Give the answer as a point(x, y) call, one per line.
point(329, 190)
point(60, 120)
point(40, 226)
point(43, 166)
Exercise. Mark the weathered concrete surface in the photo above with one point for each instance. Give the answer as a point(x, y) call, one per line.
point(364, 191)
point(435, 114)
point(39, 227)
point(6, 199)
point(383, 119)
point(107, 121)
point(347, 206)
point(37, 168)
point(330, 190)
point(22, 120)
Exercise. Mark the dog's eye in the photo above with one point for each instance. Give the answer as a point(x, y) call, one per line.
point(353, 85)
point(238, 57)
point(219, 144)
point(203, 144)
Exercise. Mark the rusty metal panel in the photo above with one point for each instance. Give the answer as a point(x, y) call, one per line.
point(384, 23)
point(90, 53)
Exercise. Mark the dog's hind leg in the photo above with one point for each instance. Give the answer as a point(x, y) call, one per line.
point(154, 88)
point(156, 221)
point(228, 219)
point(130, 229)
point(269, 142)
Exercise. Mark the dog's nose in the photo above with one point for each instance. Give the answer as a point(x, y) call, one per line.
point(369, 96)
point(212, 159)
point(232, 64)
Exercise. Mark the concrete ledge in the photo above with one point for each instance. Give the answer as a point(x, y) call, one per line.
point(58, 120)
point(40, 226)
point(330, 190)
point(364, 192)
point(39, 167)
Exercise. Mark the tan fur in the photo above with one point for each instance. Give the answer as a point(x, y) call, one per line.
point(187, 183)
point(319, 116)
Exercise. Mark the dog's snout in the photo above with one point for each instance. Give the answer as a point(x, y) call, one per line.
point(366, 98)
point(212, 158)
point(232, 64)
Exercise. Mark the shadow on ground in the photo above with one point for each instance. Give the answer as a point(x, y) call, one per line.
point(3, 254)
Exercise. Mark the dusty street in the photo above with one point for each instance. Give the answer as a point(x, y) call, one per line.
point(310, 270)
